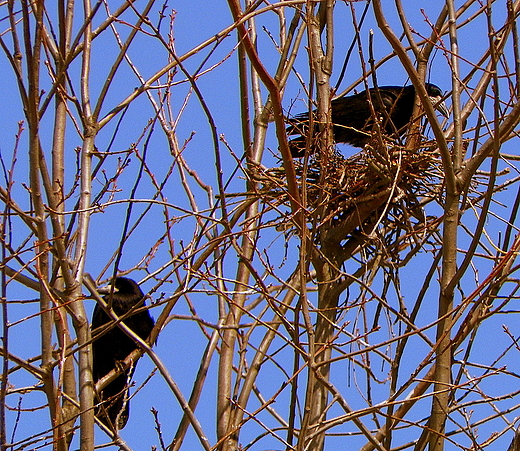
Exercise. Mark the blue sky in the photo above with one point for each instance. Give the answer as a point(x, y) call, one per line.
point(181, 343)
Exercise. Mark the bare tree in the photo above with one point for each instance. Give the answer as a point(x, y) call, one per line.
point(354, 298)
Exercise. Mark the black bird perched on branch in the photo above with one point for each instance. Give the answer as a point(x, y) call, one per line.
point(115, 345)
point(353, 120)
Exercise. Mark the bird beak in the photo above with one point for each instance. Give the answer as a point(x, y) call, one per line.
point(439, 105)
point(106, 290)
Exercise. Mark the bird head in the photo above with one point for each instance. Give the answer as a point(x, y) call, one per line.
point(123, 287)
point(435, 95)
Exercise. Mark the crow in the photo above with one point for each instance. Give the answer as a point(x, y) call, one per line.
point(352, 116)
point(114, 345)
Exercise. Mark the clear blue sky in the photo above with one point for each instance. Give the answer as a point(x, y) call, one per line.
point(181, 344)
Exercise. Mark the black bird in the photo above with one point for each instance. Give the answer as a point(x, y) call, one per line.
point(352, 116)
point(115, 345)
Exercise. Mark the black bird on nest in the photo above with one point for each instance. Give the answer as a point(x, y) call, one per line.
point(114, 345)
point(352, 117)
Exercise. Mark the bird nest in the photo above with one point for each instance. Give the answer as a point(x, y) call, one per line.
point(380, 184)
